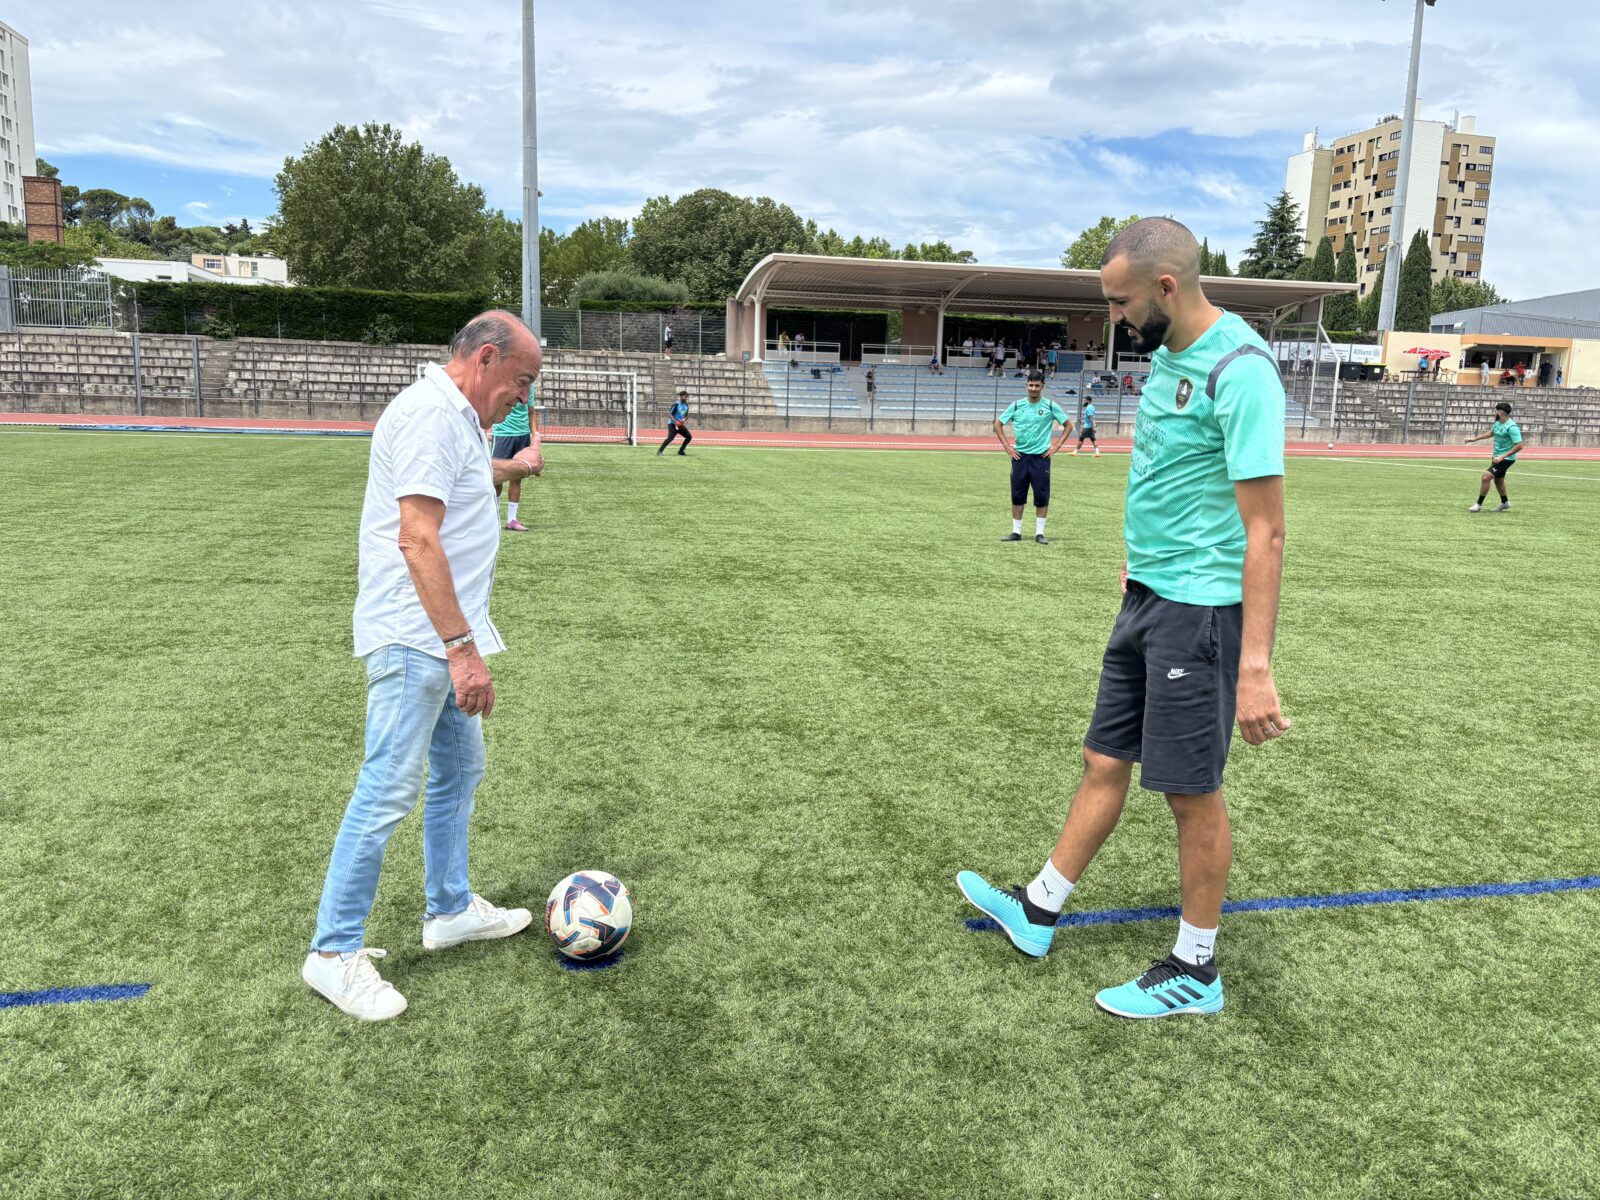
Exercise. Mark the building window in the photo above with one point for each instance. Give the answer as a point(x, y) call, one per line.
point(212, 264)
point(1477, 220)
point(1389, 174)
point(1471, 237)
point(1395, 136)
point(1388, 156)
point(1486, 151)
point(1467, 203)
point(1483, 187)
point(1472, 257)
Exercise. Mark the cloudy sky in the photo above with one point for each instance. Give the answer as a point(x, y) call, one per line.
point(1003, 128)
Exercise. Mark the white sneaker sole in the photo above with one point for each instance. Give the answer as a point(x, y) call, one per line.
point(1191, 1011)
point(343, 1006)
point(484, 935)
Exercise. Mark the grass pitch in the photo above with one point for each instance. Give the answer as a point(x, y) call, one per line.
point(786, 696)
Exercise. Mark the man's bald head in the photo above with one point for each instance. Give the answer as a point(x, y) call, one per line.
point(498, 328)
point(1157, 246)
point(494, 360)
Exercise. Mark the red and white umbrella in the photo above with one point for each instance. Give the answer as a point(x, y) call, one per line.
point(1424, 352)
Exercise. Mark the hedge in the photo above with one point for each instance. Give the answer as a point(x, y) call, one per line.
point(323, 314)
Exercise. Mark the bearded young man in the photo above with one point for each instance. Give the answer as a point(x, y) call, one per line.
point(1191, 650)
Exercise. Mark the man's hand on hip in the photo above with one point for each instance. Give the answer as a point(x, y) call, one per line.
point(470, 675)
point(1260, 716)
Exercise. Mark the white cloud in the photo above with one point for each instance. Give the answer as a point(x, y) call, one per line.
point(915, 121)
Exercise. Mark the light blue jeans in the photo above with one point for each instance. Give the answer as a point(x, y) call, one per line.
point(413, 725)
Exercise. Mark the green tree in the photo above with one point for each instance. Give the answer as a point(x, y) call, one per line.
point(1219, 265)
point(1089, 247)
point(1275, 252)
point(1324, 267)
point(1412, 310)
point(597, 245)
point(1341, 312)
point(625, 285)
point(1451, 295)
point(1370, 304)
point(98, 240)
point(363, 208)
point(710, 239)
point(102, 206)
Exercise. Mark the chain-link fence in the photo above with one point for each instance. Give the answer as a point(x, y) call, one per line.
point(693, 332)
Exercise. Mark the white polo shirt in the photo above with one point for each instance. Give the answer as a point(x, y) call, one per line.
point(427, 443)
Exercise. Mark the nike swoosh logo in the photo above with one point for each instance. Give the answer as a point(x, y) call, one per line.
point(1176, 674)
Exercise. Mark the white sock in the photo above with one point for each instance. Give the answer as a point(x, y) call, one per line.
point(1038, 525)
point(1051, 889)
point(511, 510)
point(1194, 945)
point(1016, 524)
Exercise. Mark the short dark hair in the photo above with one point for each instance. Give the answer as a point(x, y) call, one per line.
point(1157, 246)
point(683, 391)
point(1504, 406)
point(1035, 376)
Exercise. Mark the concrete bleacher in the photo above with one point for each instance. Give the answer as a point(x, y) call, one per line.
point(94, 372)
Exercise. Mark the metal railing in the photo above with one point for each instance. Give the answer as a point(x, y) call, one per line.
point(809, 352)
point(894, 352)
point(66, 298)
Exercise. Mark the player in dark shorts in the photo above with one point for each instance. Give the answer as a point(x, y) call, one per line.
point(1190, 653)
point(678, 425)
point(514, 434)
point(1086, 429)
point(1031, 420)
point(1507, 437)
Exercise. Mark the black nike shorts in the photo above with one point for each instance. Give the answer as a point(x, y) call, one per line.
point(1168, 685)
point(1499, 469)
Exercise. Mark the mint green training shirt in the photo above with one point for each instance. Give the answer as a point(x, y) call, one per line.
point(1033, 422)
point(1208, 416)
point(1506, 435)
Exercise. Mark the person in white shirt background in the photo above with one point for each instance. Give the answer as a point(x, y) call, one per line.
point(430, 530)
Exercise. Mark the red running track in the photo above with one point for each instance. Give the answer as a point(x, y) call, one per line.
point(777, 438)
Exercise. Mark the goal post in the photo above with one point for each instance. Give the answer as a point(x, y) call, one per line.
point(579, 405)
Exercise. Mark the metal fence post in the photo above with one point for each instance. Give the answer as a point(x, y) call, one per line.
point(1405, 422)
point(138, 380)
point(77, 369)
point(830, 403)
point(913, 401)
point(199, 401)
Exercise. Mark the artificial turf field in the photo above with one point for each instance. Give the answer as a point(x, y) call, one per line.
point(786, 696)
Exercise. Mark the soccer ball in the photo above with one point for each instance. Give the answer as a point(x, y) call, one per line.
point(588, 915)
point(1330, 445)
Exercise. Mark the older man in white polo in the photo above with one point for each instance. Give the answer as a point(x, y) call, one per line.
point(429, 533)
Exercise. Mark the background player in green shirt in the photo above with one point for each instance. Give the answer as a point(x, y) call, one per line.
point(1191, 650)
point(1031, 453)
point(513, 434)
point(1507, 437)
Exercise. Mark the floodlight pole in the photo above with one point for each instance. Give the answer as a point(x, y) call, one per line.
point(530, 176)
point(1395, 249)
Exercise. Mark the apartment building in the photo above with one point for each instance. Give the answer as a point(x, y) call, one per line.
point(1346, 190)
point(17, 154)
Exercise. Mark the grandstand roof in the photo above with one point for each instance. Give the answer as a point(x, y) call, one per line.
point(814, 280)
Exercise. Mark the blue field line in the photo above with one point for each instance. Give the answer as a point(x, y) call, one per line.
point(76, 995)
point(1475, 891)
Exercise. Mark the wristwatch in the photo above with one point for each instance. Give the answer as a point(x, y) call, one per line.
point(466, 639)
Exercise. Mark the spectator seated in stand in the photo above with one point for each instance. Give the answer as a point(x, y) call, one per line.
point(935, 365)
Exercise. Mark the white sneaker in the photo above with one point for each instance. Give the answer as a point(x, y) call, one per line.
point(1504, 507)
point(353, 984)
point(1476, 508)
point(480, 921)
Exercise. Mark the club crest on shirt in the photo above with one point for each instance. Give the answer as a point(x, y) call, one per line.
point(1185, 390)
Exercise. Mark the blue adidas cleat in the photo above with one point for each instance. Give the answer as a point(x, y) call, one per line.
point(1170, 988)
point(1009, 911)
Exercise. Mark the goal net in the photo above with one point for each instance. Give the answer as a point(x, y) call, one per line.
point(587, 406)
